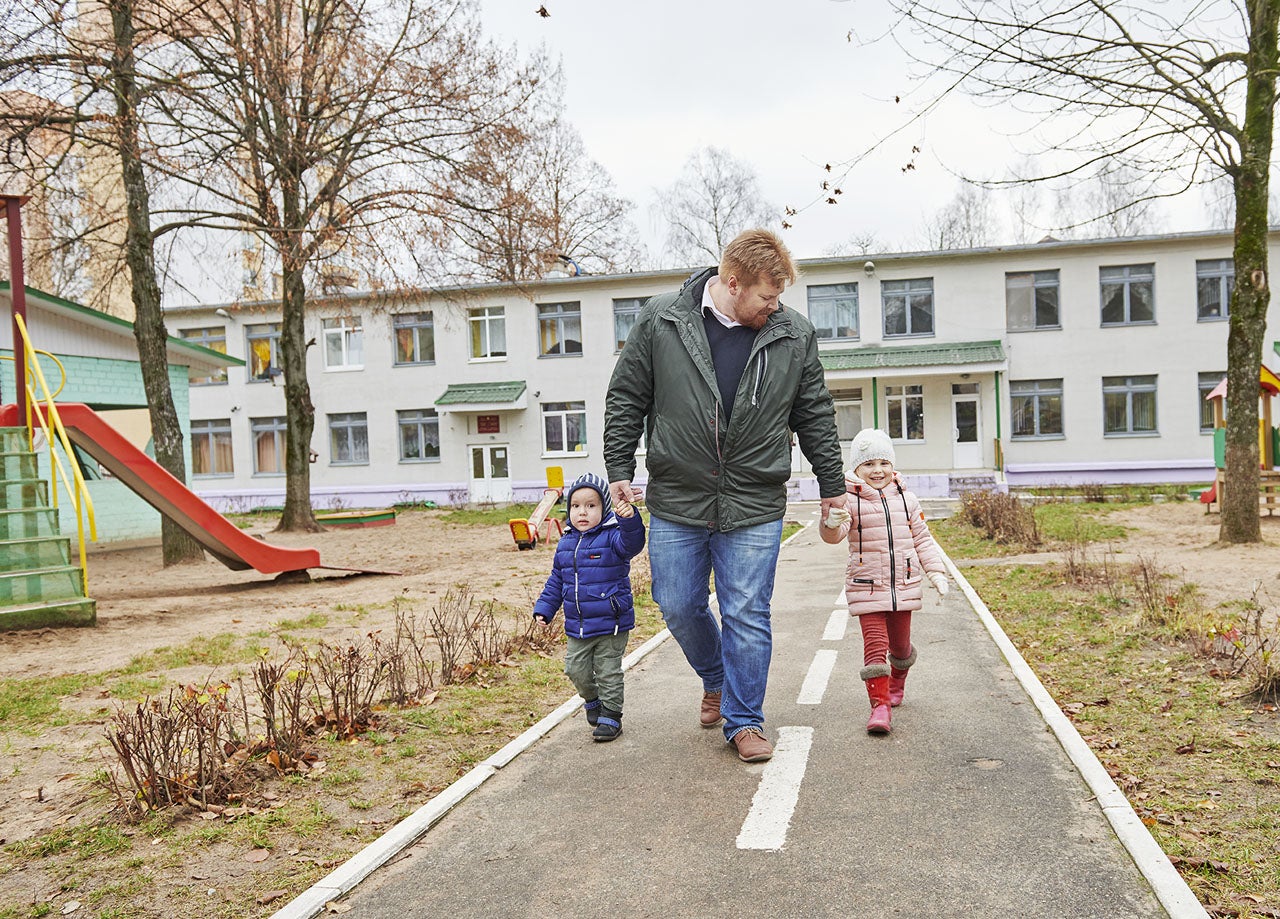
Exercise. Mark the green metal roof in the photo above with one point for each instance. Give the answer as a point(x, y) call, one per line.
point(463, 393)
point(933, 354)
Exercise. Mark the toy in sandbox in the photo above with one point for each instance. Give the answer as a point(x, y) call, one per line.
point(527, 532)
point(1268, 445)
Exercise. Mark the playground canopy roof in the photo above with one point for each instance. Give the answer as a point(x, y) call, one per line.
point(1268, 382)
point(61, 314)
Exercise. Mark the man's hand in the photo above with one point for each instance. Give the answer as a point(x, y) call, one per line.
point(621, 492)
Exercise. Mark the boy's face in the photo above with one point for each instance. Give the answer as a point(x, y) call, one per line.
point(584, 509)
point(877, 472)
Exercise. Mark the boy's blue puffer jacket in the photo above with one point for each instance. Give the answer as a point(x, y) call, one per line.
point(591, 578)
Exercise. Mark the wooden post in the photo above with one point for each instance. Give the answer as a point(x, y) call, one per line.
point(17, 296)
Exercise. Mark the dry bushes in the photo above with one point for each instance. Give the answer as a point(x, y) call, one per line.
point(1251, 649)
point(1002, 516)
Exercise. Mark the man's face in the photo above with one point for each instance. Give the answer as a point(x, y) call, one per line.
point(584, 509)
point(752, 305)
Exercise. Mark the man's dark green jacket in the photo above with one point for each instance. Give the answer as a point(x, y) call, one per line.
point(702, 470)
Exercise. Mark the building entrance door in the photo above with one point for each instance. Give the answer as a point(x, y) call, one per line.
point(966, 452)
point(490, 474)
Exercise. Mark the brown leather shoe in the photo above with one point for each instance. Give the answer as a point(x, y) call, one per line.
point(752, 745)
point(709, 716)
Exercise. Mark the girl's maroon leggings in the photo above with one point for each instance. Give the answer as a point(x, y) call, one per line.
point(884, 634)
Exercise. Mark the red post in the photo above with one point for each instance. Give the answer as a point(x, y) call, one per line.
point(17, 295)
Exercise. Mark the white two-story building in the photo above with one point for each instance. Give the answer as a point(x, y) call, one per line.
point(1052, 363)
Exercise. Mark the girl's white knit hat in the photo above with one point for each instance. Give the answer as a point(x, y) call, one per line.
point(871, 444)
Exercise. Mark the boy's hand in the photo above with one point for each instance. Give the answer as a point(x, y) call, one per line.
point(543, 619)
point(939, 582)
point(624, 509)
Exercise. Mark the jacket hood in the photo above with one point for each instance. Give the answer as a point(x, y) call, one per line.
point(855, 486)
point(601, 488)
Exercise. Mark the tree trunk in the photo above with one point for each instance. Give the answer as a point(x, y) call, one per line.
point(301, 413)
point(1252, 294)
point(148, 325)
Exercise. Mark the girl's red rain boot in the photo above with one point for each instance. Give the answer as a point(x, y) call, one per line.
point(876, 677)
point(898, 668)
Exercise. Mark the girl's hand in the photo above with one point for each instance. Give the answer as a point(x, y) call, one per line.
point(939, 582)
point(836, 517)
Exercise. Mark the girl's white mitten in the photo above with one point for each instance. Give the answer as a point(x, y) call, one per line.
point(939, 582)
point(836, 516)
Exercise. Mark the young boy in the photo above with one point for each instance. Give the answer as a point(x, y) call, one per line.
point(591, 577)
point(891, 552)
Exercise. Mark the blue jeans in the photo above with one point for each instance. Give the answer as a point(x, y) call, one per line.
point(731, 655)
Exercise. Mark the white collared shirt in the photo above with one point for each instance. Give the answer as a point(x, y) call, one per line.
point(709, 304)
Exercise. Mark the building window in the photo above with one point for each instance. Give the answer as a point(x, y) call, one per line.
point(215, 339)
point(625, 314)
point(488, 332)
point(1215, 279)
point(1207, 382)
point(348, 439)
point(1129, 405)
point(211, 447)
point(848, 403)
point(559, 328)
point(1031, 300)
point(905, 410)
point(564, 427)
point(419, 435)
point(1035, 407)
point(268, 445)
point(415, 338)
point(1128, 294)
point(265, 361)
point(833, 310)
point(908, 307)
point(343, 344)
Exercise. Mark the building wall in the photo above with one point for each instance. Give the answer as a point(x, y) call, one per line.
point(969, 305)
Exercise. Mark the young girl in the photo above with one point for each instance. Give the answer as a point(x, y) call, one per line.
point(890, 553)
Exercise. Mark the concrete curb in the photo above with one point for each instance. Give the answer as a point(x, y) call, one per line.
point(1169, 887)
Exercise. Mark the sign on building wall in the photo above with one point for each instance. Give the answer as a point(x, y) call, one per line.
point(487, 424)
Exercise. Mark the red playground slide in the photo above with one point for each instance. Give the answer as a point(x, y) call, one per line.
point(219, 536)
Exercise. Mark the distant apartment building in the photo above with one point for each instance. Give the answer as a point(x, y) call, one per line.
point(1052, 363)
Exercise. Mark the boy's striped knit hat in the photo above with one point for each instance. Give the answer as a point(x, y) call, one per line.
point(596, 483)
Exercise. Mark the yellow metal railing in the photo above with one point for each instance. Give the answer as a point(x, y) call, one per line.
point(51, 425)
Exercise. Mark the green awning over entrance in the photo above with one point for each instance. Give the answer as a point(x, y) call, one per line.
point(473, 397)
point(873, 357)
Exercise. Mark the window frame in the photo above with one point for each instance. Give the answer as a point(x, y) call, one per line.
point(1042, 280)
point(621, 312)
point(413, 323)
point(1203, 391)
point(275, 358)
point(206, 340)
point(348, 423)
point(1129, 389)
point(486, 318)
point(558, 317)
point(1036, 391)
point(1223, 271)
point(902, 411)
point(277, 426)
point(547, 413)
point(426, 417)
point(822, 297)
point(212, 428)
point(1127, 281)
point(891, 288)
point(350, 339)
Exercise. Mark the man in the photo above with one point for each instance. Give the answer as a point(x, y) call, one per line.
point(718, 375)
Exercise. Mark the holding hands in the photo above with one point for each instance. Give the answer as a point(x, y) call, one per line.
point(836, 517)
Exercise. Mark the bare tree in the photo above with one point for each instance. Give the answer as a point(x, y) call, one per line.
point(546, 201)
point(716, 197)
point(1110, 202)
point(334, 123)
point(857, 244)
point(1175, 89)
point(84, 63)
point(967, 221)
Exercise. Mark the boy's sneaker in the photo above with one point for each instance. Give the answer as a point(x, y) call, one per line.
point(753, 746)
point(608, 725)
point(592, 709)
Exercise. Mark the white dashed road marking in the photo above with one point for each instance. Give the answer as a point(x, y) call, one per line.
point(775, 800)
point(815, 681)
point(836, 625)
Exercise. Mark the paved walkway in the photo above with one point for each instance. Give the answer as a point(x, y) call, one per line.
point(972, 807)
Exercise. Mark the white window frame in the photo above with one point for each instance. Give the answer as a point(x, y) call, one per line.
point(348, 333)
point(1035, 391)
point(210, 337)
point(559, 413)
point(484, 324)
point(415, 324)
point(276, 428)
point(556, 321)
point(626, 312)
point(841, 300)
point(342, 435)
point(213, 431)
point(420, 421)
point(1130, 386)
point(270, 333)
point(898, 399)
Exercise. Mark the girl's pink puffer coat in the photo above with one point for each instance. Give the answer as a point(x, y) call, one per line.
point(890, 547)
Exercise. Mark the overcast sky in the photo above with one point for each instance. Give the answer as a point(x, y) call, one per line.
point(779, 85)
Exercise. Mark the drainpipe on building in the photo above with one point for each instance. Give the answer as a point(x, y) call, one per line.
point(875, 404)
point(999, 453)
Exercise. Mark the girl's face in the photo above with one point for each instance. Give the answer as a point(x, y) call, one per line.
point(584, 509)
point(877, 473)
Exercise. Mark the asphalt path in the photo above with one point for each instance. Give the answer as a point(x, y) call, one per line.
point(970, 807)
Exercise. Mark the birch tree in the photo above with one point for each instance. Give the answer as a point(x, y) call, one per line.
point(716, 197)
